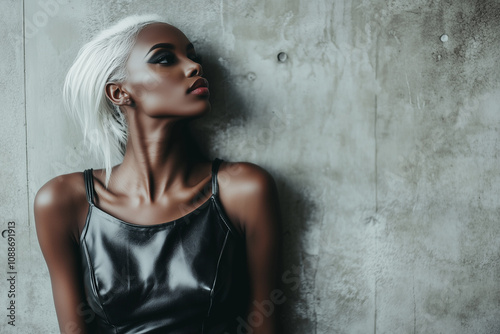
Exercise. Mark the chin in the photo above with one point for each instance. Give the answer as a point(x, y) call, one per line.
point(202, 112)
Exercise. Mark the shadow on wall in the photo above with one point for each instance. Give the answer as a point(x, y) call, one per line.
point(229, 110)
point(228, 107)
point(296, 278)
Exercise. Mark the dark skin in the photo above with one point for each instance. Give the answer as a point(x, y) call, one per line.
point(160, 179)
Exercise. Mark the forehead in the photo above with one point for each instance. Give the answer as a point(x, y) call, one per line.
point(159, 33)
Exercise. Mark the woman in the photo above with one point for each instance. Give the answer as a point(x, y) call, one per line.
point(166, 241)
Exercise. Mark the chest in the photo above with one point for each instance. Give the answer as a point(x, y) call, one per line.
point(134, 273)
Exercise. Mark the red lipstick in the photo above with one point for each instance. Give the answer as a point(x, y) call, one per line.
point(199, 87)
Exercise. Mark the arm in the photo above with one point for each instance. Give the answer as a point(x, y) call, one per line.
point(57, 230)
point(253, 201)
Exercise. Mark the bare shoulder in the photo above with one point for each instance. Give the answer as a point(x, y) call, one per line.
point(59, 192)
point(246, 191)
point(244, 179)
point(59, 201)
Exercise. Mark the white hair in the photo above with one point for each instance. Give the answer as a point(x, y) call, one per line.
point(101, 61)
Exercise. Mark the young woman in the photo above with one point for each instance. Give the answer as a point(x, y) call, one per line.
point(167, 241)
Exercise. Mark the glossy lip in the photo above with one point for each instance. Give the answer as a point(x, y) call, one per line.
point(201, 82)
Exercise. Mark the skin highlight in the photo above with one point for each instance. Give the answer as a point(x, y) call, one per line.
point(163, 176)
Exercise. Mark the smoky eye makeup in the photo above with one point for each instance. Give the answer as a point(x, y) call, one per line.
point(164, 57)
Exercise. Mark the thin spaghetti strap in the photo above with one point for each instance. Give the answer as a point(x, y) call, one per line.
point(89, 185)
point(215, 168)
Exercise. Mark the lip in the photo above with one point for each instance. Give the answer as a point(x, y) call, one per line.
point(200, 86)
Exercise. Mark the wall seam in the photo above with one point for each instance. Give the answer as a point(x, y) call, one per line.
point(376, 210)
point(376, 181)
point(26, 122)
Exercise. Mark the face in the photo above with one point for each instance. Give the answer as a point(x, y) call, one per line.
point(162, 70)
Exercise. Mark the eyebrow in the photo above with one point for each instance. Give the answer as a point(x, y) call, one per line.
point(167, 46)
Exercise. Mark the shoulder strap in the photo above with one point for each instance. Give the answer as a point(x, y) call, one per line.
point(215, 168)
point(89, 185)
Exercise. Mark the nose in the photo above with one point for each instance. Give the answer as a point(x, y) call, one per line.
point(193, 68)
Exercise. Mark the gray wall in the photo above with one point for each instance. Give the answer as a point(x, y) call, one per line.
point(383, 139)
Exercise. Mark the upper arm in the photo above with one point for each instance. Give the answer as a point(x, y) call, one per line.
point(56, 223)
point(252, 201)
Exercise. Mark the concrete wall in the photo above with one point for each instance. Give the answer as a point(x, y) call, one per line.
point(382, 134)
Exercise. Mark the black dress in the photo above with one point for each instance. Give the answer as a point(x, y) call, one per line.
point(184, 276)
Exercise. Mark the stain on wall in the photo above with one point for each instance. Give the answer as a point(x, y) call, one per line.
point(381, 128)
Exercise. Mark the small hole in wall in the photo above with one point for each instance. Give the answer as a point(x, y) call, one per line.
point(282, 57)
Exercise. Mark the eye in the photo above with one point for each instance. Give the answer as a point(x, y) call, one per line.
point(163, 58)
point(196, 58)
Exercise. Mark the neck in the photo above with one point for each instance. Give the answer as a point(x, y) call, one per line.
point(158, 158)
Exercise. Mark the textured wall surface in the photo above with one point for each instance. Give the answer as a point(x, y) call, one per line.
point(381, 129)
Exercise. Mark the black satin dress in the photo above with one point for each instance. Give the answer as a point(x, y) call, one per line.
point(184, 276)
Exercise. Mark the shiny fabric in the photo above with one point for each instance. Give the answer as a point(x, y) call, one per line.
point(184, 276)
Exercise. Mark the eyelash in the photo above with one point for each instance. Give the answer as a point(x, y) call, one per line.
point(170, 58)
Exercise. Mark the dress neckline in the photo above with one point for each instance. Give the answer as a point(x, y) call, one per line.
point(214, 198)
point(159, 225)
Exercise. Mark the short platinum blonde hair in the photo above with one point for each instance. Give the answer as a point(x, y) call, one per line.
point(101, 61)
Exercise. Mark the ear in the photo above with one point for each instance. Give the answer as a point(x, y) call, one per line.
point(117, 95)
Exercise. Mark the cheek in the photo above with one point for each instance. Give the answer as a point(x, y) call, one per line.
point(164, 96)
point(150, 91)
point(148, 86)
